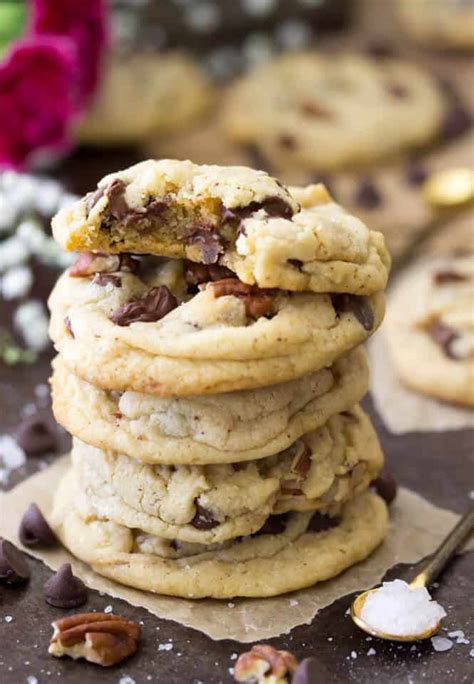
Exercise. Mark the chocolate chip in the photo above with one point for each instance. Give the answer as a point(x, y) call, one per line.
point(458, 121)
point(175, 544)
point(442, 277)
point(274, 524)
point(397, 90)
point(385, 486)
point(115, 192)
point(195, 274)
point(415, 173)
point(92, 198)
point(35, 436)
point(156, 304)
point(287, 141)
point(203, 518)
point(367, 196)
point(296, 263)
point(63, 590)
point(314, 109)
point(444, 335)
point(104, 279)
point(210, 242)
point(355, 304)
point(67, 323)
point(273, 205)
point(320, 522)
point(34, 529)
point(309, 671)
point(13, 566)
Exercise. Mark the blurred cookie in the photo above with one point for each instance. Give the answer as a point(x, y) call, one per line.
point(430, 328)
point(145, 94)
point(439, 23)
point(317, 111)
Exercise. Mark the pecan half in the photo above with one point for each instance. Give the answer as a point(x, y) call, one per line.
point(264, 664)
point(89, 263)
point(104, 639)
point(257, 302)
point(158, 302)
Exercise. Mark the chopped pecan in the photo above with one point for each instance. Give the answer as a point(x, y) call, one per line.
point(104, 639)
point(257, 302)
point(158, 302)
point(89, 263)
point(264, 664)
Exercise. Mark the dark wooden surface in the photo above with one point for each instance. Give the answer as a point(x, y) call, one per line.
point(438, 466)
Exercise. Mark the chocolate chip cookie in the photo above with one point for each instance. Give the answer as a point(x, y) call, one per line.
point(430, 328)
point(317, 111)
point(235, 217)
point(154, 333)
point(294, 551)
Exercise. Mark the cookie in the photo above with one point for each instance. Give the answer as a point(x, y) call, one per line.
point(240, 218)
point(238, 426)
point(440, 23)
point(318, 111)
point(214, 503)
point(430, 328)
point(171, 90)
point(132, 333)
point(290, 558)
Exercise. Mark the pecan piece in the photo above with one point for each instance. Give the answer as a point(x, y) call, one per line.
point(158, 302)
point(442, 277)
point(104, 639)
point(195, 274)
point(89, 263)
point(264, 664)
point(257, 302)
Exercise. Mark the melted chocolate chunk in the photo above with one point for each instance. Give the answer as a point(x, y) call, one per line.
point(385, 486)
point(119, 211)
point(175, 544)
point(158, 302)
point(320, 522)
point(34, 529)
point(35, 436)
point(196, 274)
point(444, 335)
point(442, 277)
point(203, 518)
point(104, 279)
point(357, 305)
point(117, 207)
point(274, 524)
point(92, 198)
point(272, 205)
point(415, 173)
point(210, 242)
point(367, 196)
point(63, 590)
point(286, 141)
point(13, 566)
point(296, 263)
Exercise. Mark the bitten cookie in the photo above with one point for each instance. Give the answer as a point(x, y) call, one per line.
point(238, 426)
point(318, 111)
point(214, 503)
point(151, 333)
point(430, 328)
point(240, 218)
point(302, 549)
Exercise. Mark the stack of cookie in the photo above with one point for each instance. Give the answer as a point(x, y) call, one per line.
point(210, 371)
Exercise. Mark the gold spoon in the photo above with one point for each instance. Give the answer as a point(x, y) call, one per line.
point(424, 578)
point(450, 188)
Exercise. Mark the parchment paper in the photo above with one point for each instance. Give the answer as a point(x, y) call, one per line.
point(415, 530)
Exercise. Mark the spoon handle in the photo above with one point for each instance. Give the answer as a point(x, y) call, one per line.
point(445, 550)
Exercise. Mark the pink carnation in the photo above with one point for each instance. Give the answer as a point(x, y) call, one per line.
point(84, 22)
point(36, 99)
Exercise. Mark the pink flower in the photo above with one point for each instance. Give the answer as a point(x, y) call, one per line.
point(36, 98)
point(84, 22)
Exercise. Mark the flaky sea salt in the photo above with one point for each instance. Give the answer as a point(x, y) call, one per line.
point(397, 609)
point(441, 643)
